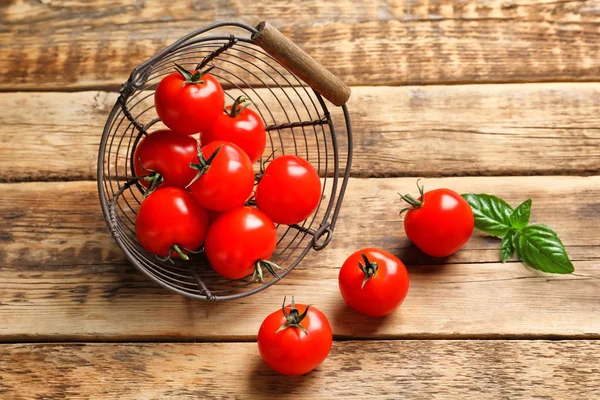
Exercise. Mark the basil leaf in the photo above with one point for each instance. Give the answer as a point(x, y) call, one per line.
point(492, 214)
point(540, 248)
point(507, 248)
point(520, 217)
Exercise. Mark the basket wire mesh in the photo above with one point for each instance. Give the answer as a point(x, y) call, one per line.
point(297, 121)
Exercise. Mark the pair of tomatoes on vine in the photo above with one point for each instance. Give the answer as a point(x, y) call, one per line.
point(199, 191)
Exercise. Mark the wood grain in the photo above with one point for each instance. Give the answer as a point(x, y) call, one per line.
point(363, 370)
point(63, 278)
point(53, 45)
point(398, 131)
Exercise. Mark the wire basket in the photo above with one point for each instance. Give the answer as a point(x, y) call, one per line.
point(287, 88)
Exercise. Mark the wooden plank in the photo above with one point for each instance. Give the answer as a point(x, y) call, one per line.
point(377, 369)
point(398, 131)
point(63, 278)
point(96, 44)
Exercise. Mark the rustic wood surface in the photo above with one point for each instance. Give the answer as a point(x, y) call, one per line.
point(510, 108)
point(541, 129)
point(76, 45)
point(421, 369)
point(60, 263)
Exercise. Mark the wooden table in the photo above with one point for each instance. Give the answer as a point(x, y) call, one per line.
point(493, 96)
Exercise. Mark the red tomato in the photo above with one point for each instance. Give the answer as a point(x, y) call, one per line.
point(170, 221)
point(243, 127)
point(373, 282)
point(439, 223)
point(289, 190)
point(226, 179)
point(168, 154)
point(239, 242)
point(213, 215)
point(295, 339)
point(189, 102)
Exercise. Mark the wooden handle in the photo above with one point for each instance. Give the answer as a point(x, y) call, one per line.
point(304, 66)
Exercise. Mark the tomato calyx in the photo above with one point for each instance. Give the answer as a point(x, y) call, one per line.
point(270, 266)
point(414, 203)
point(193, 79)
point(369, 268)
point(203, 164)
point(293, 318)
point(180, 252)
point(175, 248)
point(262, 167)
point(238, 106)
point(155, 178)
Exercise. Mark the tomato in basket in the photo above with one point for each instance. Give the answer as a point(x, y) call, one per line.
point(189, 102)
point(289, 190)
point(240, 242)
point(169, 223)
point(239, 125)
point(164, 157)
point(225, 177)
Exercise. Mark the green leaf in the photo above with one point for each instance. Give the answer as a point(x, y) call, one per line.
point(520, 217)
point(492, 214)
point(540, 248)
point(507, 248)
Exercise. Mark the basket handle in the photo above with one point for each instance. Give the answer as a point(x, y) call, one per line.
point(296, 60)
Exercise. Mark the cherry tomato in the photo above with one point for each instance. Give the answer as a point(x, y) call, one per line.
point(241, 241)
point(295, 339)
point(226, 179)
point(373, 282)
point(213, 215)
point(165, 157)
point(189, 102)
point(170, 221)
point(289, 190)
point(239, 125)
point(439, 222)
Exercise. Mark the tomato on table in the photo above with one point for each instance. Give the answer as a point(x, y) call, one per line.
point(240, 242)
point(295, 339)
point(239, 125)
point(373, 282)
point(225, 177)
point(439, 222)
point(164, 158)
point(169, 223)
point(189, 102)
point(289, 190)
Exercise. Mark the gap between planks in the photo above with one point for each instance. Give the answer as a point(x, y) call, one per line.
point(115, 88)
point(51, 340)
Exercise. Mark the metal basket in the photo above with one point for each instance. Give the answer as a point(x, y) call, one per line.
point(263, 65)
